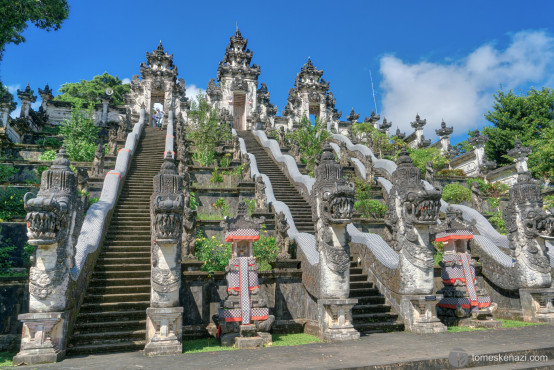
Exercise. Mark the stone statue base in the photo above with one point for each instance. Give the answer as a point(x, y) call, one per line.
point(164, 331)
point(335, 319)
point(42, 340)
point(537, 305)
point(419, 314)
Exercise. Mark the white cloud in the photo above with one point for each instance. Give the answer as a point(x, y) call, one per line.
point(126, 81)
point(192, 91)
point(460, 92)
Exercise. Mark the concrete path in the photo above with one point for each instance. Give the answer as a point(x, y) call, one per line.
point(401, 350)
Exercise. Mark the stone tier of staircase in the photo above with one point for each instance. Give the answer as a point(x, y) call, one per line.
point(371, 314)
point(113, 314)
point(282, 188)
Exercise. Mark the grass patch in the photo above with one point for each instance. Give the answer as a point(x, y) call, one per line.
point(6, 359)
point(459, 329)
point(517, 324)
point(283, 340)
point(203, 345)
point(279, 340)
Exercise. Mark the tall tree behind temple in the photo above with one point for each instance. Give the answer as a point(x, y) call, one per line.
point(89, 90)
point(16, 14)
point(530, 117)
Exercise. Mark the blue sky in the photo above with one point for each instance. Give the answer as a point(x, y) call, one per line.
point(441, 59)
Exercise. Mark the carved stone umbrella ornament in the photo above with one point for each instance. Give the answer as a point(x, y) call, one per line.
point(243, 318)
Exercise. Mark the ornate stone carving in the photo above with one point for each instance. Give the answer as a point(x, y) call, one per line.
point(528, 226)
point(236, 149)
point(411, 209)
point(429, 173)
point(97, 169)
point(112, 142)
point(476, 200)
point(259, 193)
point(282, 137)
point(245, 159)
point(189, 233)
point(53, 218)
point(282, 239)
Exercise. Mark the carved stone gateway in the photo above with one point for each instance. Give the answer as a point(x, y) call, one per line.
point(54, 219)
point(164, 317)
point(334, 203)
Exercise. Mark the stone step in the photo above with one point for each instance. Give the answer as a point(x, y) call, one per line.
point(378, 327)
point(127, 243)
point(370, 308)
point(118, 289)
point(124, 267)
point(373, 317)
point(103, 274)
point(125, 346)
point(127, 315)
point(369, 300)
point(360, 284)
point(109, 336)
point(122, 260)
point(358, 277)
point(116, 298)
point(95, 307)
point(120, 254)
point(363, 292)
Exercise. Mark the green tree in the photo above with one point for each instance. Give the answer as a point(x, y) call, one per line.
point(421, 156)
point(206, 130)
point(80, 133)
point(16, 14)
point(529, 117)
point(310, 139)
point(381, 142)
point(89, 90)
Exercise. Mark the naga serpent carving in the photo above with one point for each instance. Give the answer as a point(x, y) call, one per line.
point(411, 209)
point(54, 219)
point(528, 227)
point(332, 211)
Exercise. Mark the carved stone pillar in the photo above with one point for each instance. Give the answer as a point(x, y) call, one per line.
point(163, 330)
point(335, 319)
point(537, 304)
point(42, 338)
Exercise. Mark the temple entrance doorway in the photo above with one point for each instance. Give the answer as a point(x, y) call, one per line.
point(239, 101)
point(157, 98)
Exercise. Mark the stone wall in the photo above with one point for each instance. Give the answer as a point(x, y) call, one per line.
point(14, 300)
point(286, 297)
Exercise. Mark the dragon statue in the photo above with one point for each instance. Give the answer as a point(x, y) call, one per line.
point(411, 210)
point(54, 220)
point(528, 227)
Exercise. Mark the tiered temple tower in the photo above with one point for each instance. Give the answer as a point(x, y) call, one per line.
point(311, 95)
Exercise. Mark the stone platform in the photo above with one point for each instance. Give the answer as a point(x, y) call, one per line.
point(399, 350)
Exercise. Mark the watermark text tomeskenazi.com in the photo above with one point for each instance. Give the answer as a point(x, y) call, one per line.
point(509, 358)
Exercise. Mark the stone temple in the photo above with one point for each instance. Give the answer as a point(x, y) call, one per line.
point(128, 271)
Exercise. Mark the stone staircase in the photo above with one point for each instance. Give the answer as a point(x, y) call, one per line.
point(113, 314)
point(282, 188)
point(371, 314)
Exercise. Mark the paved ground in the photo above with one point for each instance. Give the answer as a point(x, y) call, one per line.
point(411, 350)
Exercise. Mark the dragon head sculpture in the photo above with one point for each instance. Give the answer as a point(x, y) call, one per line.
point(167, 204)
point(334, 195)
point(54, 218)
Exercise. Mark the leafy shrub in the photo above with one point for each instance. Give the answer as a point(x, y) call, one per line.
point(193, 202)
point(310, 139)
point(439, 252)
point(204, 157)
point(50, 141)
point(48, 155)
point(221, 207)
point(265, 250)
point(251, 204)
point(7, 171)
point(497, 220)
point(447, 172)
point(456, 193)
point(548, 201)
point(11, 203)
point(421, 156)
point(213, 252)
point(91, 201)
point(370, 208)
point(226, 160)
point(80, 133)
point(217, 177)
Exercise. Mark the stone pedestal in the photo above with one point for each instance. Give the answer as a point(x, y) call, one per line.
point(537, 305)
point(164, 331)
point(286, 264)
point(42, 339)
point(335, 320)
point(191, 265)
point(420, 315)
